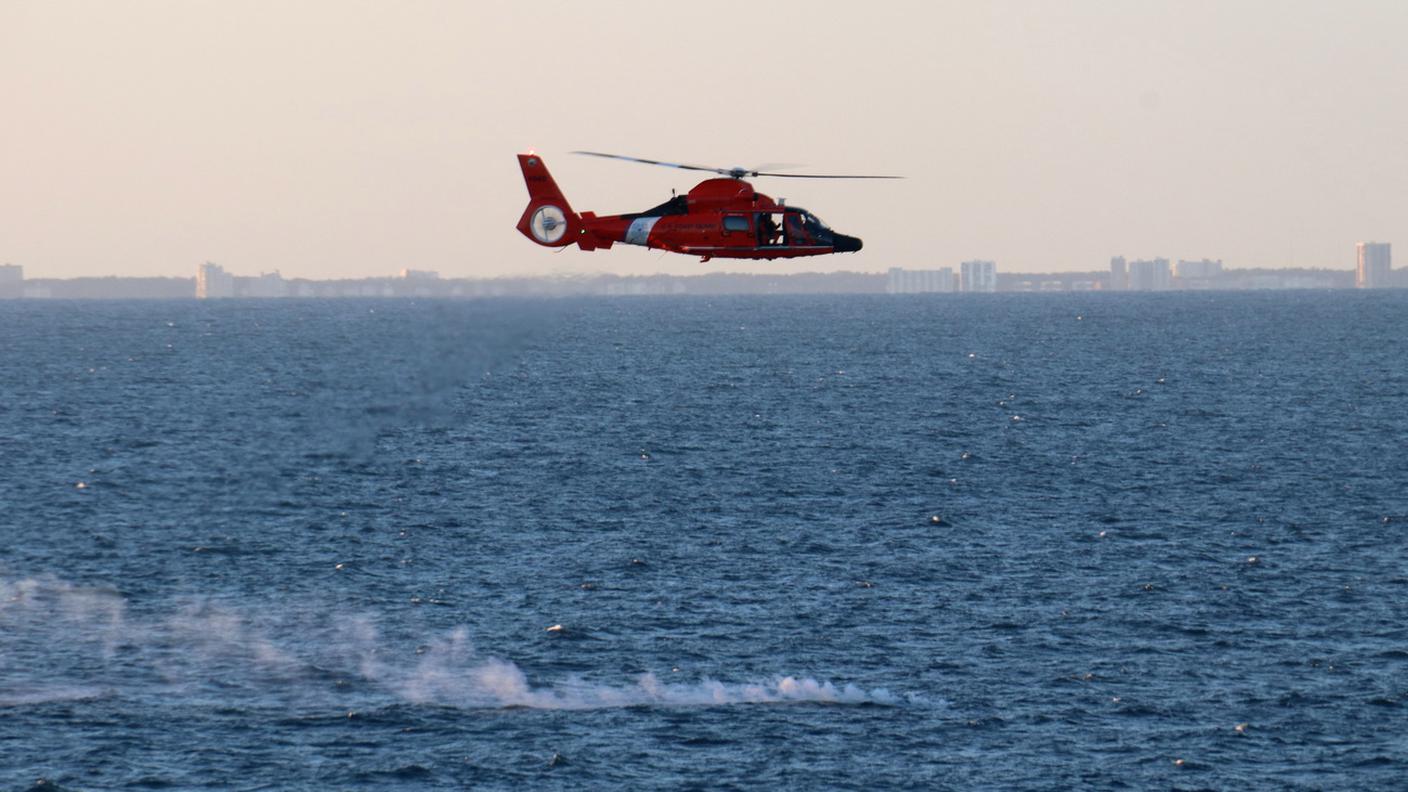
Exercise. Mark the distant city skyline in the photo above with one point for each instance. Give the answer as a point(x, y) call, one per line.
point(1373, 269)
point(213, 282)
point(325, 139)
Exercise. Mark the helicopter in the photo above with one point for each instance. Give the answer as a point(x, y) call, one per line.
point(721, 217)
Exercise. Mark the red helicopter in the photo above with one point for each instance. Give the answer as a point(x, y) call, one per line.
point(719, 218)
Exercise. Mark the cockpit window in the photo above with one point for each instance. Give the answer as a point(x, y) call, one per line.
point(808, 220)
point(803, 227)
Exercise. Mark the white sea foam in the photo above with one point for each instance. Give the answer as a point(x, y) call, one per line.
point(500, 683)
point(450, 674)
point(59, 641)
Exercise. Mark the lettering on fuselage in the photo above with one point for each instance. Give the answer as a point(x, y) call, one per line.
point(639, 232)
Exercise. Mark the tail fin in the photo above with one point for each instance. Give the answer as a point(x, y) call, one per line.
point(548, 220)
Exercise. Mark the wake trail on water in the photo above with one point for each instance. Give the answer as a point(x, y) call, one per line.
point(62, 642)
point(451, 674)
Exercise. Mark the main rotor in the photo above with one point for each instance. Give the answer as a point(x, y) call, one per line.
point(735, 172)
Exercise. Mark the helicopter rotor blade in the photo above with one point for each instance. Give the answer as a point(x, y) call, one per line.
point(819, 176)
point(772, 166)
point(737, 173)
point(652, 162)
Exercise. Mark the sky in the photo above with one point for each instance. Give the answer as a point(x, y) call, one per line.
point(342, 138)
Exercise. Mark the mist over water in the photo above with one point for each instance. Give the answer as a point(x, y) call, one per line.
point(1018, 541)
point(68, 643)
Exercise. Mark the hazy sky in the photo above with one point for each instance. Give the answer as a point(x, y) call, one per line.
point(331, 138)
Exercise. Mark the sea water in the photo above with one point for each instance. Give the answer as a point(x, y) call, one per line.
point(846, 542)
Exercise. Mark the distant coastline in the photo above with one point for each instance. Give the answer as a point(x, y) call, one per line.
point(427, 285)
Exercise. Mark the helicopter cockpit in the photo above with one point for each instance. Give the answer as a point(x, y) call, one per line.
point(791, 226)
point(802, 227)
point(812, 223)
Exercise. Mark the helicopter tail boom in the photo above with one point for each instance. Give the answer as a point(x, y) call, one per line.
point(549, 219)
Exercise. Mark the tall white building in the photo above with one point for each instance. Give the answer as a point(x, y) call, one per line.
point(1119, 274)
point(1149, 275)
point(1375, 262)
point(978, 276)
point(903, 281)
point(212, 281)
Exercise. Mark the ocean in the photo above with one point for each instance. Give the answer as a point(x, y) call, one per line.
point(1094, 541)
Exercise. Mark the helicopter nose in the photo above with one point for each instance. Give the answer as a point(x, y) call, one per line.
point(846, 244)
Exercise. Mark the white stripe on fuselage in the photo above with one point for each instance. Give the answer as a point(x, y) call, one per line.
point(639, 232)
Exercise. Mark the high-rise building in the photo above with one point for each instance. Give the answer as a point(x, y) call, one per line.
point(978, 276)
point(1375, 263)
point(1119, 274)
point(213, 281)
point(1149, 275)
point(11, 281)
point(903, 281)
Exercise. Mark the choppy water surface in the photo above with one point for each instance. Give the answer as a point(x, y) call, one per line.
point(318, 545)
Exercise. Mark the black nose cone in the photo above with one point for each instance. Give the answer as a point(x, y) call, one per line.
point(847, 244)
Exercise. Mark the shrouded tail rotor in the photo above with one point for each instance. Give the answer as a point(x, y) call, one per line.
point(548, 224)
point(549, 219)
